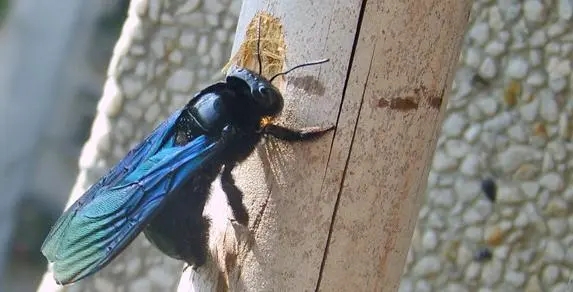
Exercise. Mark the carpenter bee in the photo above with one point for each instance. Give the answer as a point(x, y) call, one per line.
point(161, 186)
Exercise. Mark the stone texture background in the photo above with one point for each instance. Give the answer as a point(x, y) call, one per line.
point(508, 118)
point(48, 95)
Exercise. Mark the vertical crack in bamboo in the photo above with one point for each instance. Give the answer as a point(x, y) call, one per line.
point(344, 89)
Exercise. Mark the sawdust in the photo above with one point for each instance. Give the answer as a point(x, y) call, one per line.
point(272, 47)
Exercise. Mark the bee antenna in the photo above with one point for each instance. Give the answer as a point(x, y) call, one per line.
point(299, 66)
point(259, 46)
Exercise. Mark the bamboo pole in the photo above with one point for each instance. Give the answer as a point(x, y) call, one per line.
point(337, 214)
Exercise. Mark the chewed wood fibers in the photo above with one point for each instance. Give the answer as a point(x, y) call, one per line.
point(272, 46)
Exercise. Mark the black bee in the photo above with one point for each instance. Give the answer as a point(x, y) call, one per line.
point(162, 185)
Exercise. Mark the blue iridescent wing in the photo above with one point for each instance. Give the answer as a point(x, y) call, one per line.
point(100, 224)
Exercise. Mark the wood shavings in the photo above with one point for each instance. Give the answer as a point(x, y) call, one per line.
point(272, 46)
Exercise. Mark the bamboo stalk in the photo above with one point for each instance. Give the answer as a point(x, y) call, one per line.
point(337, 214)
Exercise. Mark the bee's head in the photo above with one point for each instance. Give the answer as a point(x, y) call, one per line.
point(265, 98)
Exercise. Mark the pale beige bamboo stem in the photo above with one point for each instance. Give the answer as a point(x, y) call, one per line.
point(338, 214)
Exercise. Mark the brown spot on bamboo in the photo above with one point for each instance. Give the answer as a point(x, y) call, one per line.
point(400, 103)
point(436, 101)
point(409, 99)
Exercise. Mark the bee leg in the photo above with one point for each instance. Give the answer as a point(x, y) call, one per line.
point(287, 134)
point(234, 195)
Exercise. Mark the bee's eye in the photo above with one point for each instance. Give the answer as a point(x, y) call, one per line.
point(268, 99)
point(265, 91)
